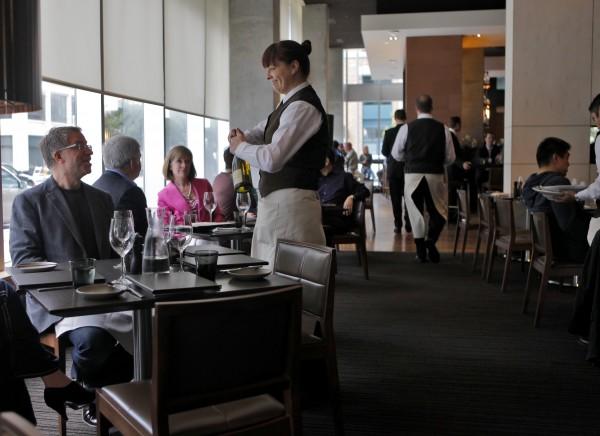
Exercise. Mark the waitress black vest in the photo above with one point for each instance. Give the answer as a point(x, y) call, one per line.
point(302, 169)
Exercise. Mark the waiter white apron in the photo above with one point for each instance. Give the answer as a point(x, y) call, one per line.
point(293, 214)
point(439, 194)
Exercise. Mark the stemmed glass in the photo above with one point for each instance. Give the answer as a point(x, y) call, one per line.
point(209, 203)
point(180, 236)
point(243, 202)
point(121, 237)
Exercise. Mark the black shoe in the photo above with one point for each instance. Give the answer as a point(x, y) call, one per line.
point(421, 250)
point(89, 415)
point(432, 252)
point(583, 341)
point(72, 395)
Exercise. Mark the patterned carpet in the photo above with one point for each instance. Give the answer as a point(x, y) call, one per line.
point(432, 350)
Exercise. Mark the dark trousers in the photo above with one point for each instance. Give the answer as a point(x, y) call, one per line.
point(21, 354)
point(422, 198)
point(98, 359)
point(396, 185)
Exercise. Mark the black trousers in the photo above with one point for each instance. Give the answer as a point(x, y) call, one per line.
point(423, 200)
point(396, 185)
point(21, 354)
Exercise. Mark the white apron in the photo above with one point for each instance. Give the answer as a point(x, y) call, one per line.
point(293, 214)
point(439, 194)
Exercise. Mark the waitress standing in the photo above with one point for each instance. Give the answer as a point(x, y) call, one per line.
point(289, 149)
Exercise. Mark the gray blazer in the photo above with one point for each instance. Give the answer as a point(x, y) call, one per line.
point(43, 228)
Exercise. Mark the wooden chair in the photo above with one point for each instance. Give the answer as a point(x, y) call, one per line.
point(12, 424)
point(369, 202)
point(356, 236)
point(313, 266)
point(463, 221)
point(543, 261)
point(219, 366)
point(485, 210)
point(58, 347)
point(507, 237)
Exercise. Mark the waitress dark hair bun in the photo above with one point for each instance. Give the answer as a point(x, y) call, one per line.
point(288, 51)
point(307, 46)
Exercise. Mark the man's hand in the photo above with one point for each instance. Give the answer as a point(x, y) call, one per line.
point(236, 137)
point(467, 166)
point(348, 205)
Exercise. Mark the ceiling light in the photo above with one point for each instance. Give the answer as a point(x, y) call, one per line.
point(479, 35)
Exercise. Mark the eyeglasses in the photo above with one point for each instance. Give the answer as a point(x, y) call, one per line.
point(78, 146)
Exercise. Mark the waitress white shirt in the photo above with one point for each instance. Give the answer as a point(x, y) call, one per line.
point(298, 122)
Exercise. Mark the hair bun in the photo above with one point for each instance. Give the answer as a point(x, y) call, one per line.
point(307, 46)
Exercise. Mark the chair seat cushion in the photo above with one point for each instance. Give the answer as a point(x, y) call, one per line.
point(135, 398)
point(567, 266)
point(521, 238)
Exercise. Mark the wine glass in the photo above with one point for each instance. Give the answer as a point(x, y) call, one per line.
point(180, 237)
point(209, 203)
point(121, 237)
point(243, 202)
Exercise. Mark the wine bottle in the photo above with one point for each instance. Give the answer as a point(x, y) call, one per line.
point(242, 177)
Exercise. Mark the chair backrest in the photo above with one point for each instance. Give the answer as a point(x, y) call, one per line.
point(504, 217)
point(369, 200)
point(484, 209)
point(313, 266)
point(211, 351)
point(463, 205)
point(540, 234)
point(12, 424)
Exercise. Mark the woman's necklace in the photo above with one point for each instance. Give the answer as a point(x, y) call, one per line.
point(189, 194)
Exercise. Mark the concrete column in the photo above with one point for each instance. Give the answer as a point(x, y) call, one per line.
point(315, 28)
point(335, 94)
point(472, 93)
point(434, 67)
point(253, 26)
point(552, 72)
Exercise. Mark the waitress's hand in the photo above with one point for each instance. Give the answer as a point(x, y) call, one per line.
point(236, 137)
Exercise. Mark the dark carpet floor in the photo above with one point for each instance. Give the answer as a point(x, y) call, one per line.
point(432, 350)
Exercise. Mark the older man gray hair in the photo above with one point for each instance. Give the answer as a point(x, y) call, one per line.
point(122, 159)
point(119, 151)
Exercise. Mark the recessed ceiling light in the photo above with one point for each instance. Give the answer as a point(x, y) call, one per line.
point(479, 35)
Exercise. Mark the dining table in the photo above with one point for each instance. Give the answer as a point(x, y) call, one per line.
point(63, 300)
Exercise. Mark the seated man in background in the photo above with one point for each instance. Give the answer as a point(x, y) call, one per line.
point(487, 155)
point(350, 158)
point(366, 159)
point(568, 221)
point(122, 160)
point(223, 188)
point(64, 219)
point(338, 190)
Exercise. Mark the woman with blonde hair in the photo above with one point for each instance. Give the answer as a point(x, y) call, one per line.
point(185, 192)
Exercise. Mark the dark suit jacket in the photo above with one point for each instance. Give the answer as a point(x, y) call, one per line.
point(395, 169)
point(125, 195)
point(43, 228)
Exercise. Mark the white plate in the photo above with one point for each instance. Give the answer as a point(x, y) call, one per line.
point(554, 192)
point(209, 224)
point(250, 273)
point(99, 291)
point(35, 267)
point(225, 230)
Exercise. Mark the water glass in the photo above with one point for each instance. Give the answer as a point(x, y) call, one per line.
point(180, 236)
point(190, 218)
point(83, 271)
point(206, 263)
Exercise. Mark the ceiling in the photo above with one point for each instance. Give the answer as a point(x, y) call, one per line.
point(370, 23)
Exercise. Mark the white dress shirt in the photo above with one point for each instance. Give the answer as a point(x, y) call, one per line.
point(400, 142)
point(592, 192)
point(297, 124)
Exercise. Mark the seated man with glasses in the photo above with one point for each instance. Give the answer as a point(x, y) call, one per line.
point(64, 219)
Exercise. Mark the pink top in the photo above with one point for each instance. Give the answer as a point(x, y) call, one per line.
point(172, 199)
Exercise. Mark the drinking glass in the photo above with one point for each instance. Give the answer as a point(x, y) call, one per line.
point(190, 218)
point(209, 203)
point(243, 202)
point(121, 238)
point(180, 237)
